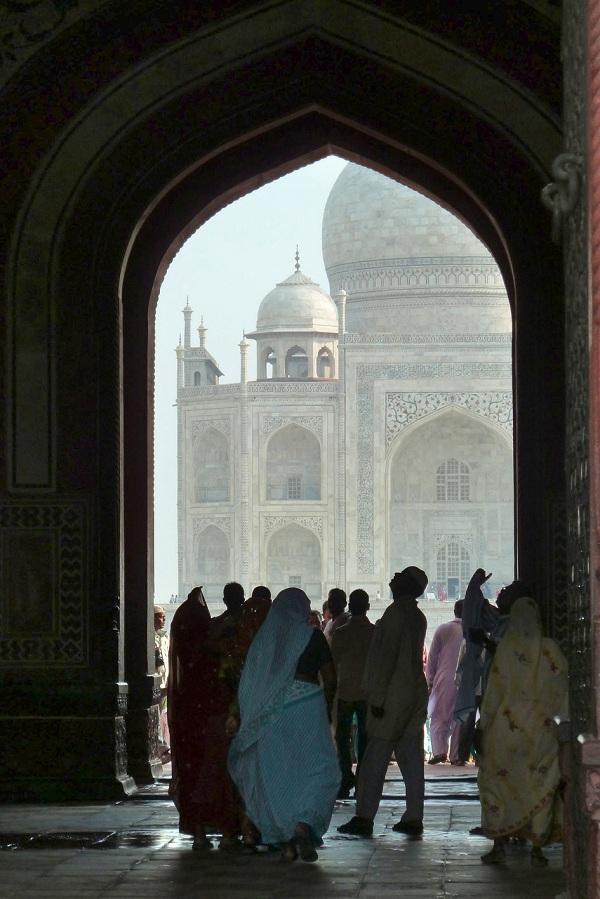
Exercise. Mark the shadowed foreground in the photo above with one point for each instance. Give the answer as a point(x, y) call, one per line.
point(132, 849)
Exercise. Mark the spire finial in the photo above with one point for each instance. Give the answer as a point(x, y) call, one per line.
point(297, 259)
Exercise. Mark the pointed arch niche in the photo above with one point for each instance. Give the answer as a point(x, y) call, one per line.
point(294, 560)
point(425, 520)
point(212, 555)
point(293, 466)
point(211, 466)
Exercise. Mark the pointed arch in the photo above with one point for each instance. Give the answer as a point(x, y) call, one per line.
point(212, 557)
point(293, 465)
point(294, 559)
point(211, 466)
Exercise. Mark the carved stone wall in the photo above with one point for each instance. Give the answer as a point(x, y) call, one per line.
point(402, 409)
point(43, 583)
point(366, 375)
point(577, 405)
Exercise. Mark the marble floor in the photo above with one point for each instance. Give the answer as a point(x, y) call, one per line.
point(133, 849)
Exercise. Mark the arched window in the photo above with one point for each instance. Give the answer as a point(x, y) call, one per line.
point(197, 379)
point(453, 568)
point(270, 364)
point(453, 482)
point(294, 560)
point(296, 363)
point(211, 467)
point(324, 364)
point(212, 553)
point(293, 465)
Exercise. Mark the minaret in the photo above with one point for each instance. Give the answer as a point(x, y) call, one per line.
point(180, 370)
point(202, 329)
point(243, 359)
point(187, 329)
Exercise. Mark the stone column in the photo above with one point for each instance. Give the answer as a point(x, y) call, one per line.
point(590, 748)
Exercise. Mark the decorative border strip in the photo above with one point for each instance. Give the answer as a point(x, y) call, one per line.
point(67, 525)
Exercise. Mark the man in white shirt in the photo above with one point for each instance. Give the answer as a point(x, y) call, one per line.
point(336, 603)
point(396, 693)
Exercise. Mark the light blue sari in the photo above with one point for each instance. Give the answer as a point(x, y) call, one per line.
point(283, 759)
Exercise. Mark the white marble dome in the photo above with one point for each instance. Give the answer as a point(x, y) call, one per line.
point(371, 217)
point(297, 304)
point(407, 264)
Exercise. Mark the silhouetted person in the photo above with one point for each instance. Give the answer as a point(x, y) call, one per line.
point(441, 679)
point(396, 693)
point(336, 603)
point(349, 648)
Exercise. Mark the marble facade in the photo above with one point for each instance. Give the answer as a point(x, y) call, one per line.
point(398, 452)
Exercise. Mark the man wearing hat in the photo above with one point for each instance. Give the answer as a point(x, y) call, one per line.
point(396, 691)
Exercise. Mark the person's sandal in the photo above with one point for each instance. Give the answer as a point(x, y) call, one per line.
point(289, 853)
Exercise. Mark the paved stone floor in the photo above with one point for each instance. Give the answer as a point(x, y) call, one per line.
point(133, 849)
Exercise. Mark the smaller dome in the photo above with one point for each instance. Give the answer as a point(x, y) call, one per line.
point(297, 304)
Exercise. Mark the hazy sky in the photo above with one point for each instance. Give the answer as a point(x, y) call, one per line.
point(225, 269)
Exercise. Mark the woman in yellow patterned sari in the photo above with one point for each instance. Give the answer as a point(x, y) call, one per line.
point(519, 776)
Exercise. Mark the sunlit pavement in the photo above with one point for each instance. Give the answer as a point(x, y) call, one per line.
point(133, 848)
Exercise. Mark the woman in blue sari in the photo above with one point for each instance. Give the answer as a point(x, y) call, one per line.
point(283, 759)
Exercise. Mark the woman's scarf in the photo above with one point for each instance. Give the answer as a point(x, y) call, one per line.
point(271, 664)
point(189, 630)
point(530, 665)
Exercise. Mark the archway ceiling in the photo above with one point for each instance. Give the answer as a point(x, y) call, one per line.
point(503, 67)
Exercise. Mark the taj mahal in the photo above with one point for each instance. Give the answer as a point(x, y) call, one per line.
point(378, 432)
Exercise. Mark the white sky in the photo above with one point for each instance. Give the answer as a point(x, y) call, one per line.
point(226, 268)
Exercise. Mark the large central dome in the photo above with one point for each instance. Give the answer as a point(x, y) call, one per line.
point(408, 265)
point(371, 217)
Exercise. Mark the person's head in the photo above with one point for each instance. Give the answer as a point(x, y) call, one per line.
point(233, 596)
point(458, 606)
point(314, 618)
point(336, 601)
point(291, 605)
point(326, 612)
point(509, 595)
point(525, 619)
point(358, 602)
point(261, 592)
point(409, 582)
point(159, 618)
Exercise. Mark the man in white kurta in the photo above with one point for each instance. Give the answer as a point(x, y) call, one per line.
point(441, 679)
point(396, 692)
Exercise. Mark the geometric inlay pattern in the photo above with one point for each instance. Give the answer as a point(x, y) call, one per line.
point(312, 523)
point(273, 422)
point(223, 522)
point(401, 409)
point(63, 526)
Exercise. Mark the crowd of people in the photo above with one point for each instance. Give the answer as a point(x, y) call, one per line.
point(272, 711)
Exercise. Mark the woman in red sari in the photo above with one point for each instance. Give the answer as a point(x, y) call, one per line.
point(189, 691)
point(200, 695)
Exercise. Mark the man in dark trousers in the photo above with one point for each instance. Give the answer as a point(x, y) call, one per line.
point(350, 647)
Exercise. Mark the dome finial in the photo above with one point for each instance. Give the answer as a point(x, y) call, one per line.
point(297, 259)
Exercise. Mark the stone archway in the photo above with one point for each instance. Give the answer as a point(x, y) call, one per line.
point(108, 190)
